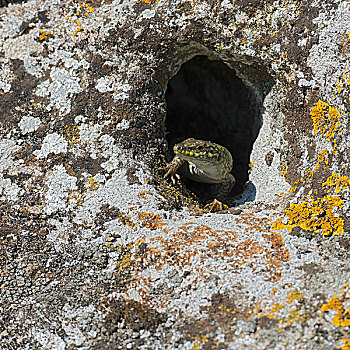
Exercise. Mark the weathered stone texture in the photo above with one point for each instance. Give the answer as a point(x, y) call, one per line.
point(97, 251)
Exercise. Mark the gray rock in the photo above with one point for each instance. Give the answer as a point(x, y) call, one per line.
point(97, 250)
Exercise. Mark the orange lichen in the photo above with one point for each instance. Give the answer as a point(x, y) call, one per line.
point(144, 194)
point(313, 215)
point(180, 246)
point(150, 220)
point(279, 252)
point(342, 318)
point(326, 119)
point(274, 258)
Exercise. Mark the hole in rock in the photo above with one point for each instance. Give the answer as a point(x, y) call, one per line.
point(206, 100)
point(4, 3)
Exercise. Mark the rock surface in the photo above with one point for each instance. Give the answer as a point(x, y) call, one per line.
point(97, 251)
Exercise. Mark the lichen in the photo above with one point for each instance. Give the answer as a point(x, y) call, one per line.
point(345, 346)
point(198, 340)
point(43, 34)
point(150, 220)
point(316, 215)
point(337, 181)
point(126, 220)
point(284, 169)
point(71, 134)
point(149, 1)
point(286, 313)
point(78, 197)
point(344, 81)
point(84, 9)
point(181, 246)
point(342, 318)
point(326, 120)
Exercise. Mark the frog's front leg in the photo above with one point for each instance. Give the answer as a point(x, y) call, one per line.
point(225, 189)
point(172, 167)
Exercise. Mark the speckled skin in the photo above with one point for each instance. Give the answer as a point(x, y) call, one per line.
point(208, 162)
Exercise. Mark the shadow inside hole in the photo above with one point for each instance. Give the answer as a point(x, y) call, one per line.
point(206, 100)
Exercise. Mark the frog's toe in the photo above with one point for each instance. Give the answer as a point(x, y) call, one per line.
point(214, 206)
point(170, 172)
point(175, 178)
point(167, 169)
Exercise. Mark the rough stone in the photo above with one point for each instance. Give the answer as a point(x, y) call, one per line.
point(97, 250)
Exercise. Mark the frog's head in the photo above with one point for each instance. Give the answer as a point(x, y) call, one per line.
point(197, 150)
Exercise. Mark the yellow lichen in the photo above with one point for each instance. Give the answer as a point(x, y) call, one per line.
point(294, 295)
point(76, 196)
point(82, 12)
point(313, 215)
point(93, 185)
point(126, 255)
point(149, 1)
point(43, 35)
point(343, 82)
point(295, 315)
point(326, 119)
point(126, 220)
point(79, 196)
point(292, 312)
point(342, 318)
point(317, 214)
point(71, 134)
point(337, 181)
point(335, 149)
point(198, 340)
point(284, 169)
point(345, 346)
point(251, 166)
point(276, 307)
point(323, 157)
